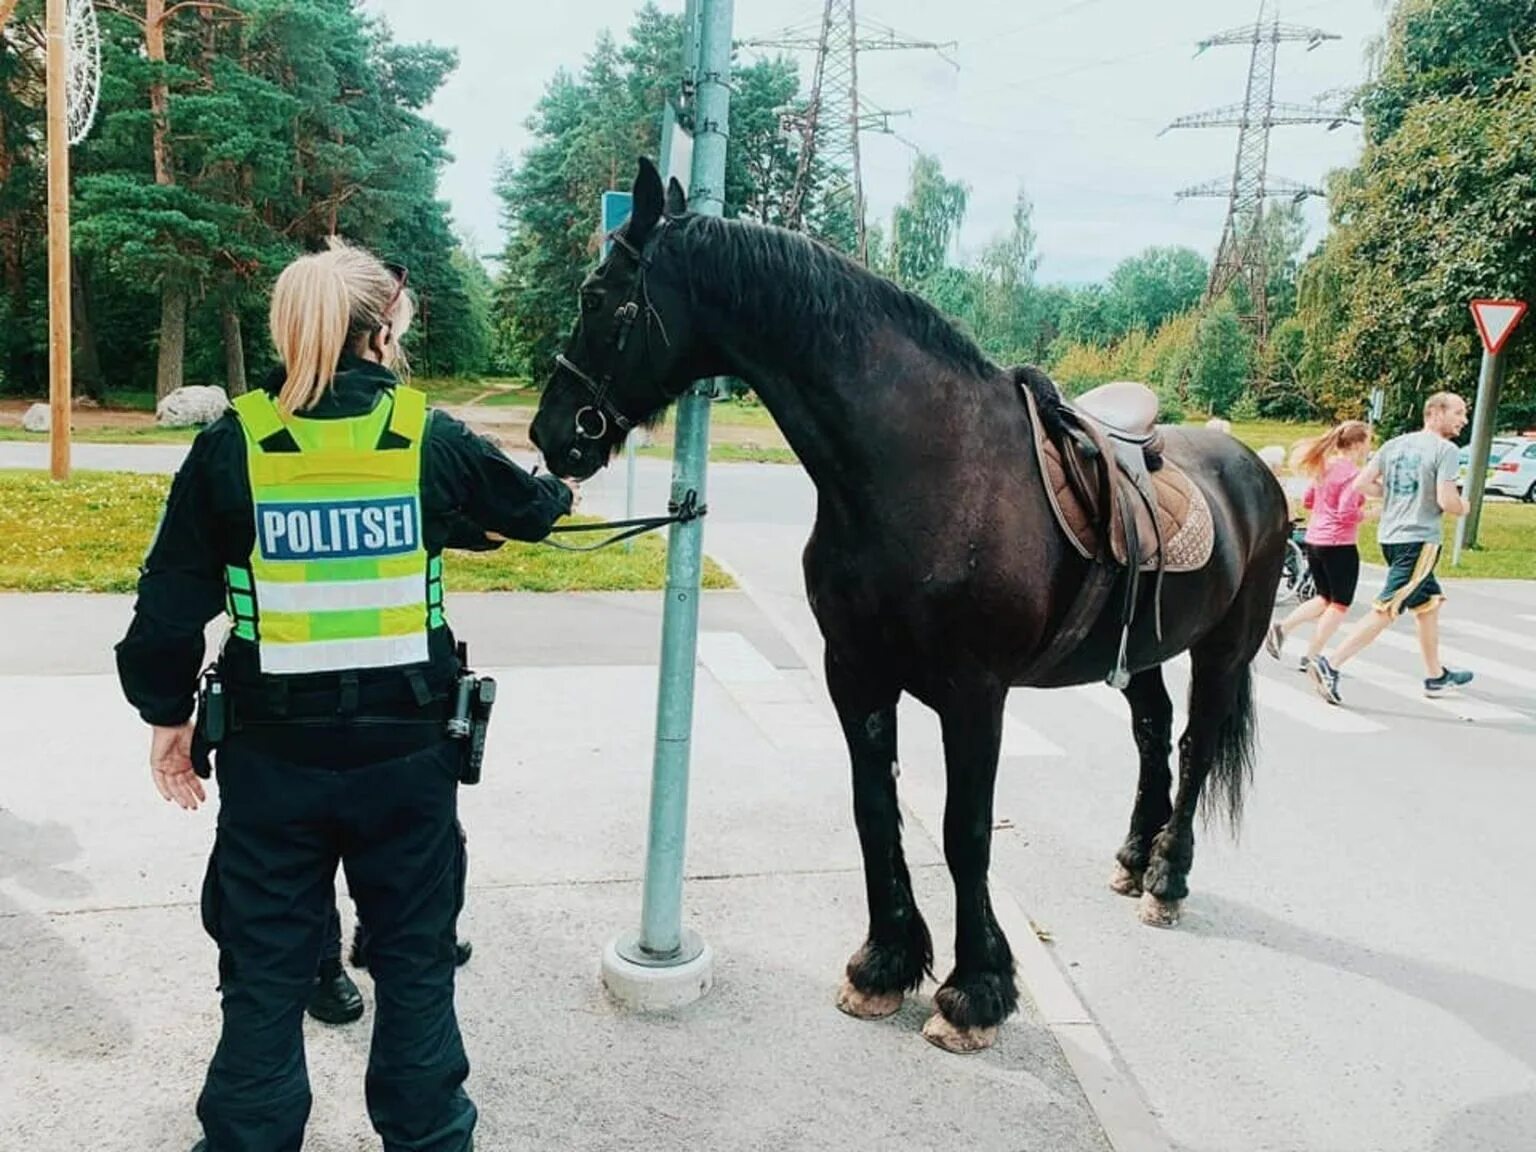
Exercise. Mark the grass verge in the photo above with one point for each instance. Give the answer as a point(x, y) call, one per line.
point(147, 435)
point(90, 535)
point(1506, 546)
point(732, 453)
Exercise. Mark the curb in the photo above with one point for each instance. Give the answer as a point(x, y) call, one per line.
point(1112, 1094)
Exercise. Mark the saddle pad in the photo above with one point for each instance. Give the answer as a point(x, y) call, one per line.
point(1183, 514)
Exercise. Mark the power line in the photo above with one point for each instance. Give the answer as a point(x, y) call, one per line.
point(1045, 21)
point(1089, 65)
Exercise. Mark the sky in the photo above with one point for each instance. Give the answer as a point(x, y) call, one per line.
point(1065, 98)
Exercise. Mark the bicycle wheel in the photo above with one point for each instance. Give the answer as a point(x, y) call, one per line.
point(1292, 575)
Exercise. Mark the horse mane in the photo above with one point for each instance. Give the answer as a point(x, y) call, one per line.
point(809, 293)
point(1048, 399)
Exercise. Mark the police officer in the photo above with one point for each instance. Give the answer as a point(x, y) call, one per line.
point(315, 515)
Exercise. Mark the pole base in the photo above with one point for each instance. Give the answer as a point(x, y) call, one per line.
point(642, 983)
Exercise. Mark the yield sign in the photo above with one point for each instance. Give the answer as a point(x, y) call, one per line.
point(1496, 320)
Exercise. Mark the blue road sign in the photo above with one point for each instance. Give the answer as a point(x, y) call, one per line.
point(616, 209)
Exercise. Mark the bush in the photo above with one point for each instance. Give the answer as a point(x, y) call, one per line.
point(1170, 409)
point(1246, 410)
point(1222, 359)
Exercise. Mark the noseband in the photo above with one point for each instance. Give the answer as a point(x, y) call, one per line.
point(593, 420)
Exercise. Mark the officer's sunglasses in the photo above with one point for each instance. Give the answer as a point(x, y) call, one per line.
point(401, 274)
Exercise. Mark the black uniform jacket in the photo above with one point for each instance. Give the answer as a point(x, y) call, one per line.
point(468, 485)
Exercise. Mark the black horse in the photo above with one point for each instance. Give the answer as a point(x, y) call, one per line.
point(935, 567)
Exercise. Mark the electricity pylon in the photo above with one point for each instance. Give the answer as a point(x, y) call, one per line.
point(830, 122)
point(1242, 254)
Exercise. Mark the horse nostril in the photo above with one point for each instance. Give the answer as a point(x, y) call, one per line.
point(575, 454)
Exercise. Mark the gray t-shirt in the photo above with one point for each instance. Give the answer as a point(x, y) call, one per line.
point(1412, 468)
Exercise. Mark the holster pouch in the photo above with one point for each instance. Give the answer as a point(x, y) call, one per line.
point(212, 722)
point(474, 697)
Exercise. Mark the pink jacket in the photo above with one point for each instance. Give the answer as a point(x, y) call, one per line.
point(1336, 513)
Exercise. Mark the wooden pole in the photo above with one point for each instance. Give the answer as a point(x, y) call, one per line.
point(59, 366)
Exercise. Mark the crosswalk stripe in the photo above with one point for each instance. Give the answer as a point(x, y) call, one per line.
point(1297, 703)
point(1281, 688)
point(1311, 710)
point(1106, 699)
point(916, 722)
point(1479, 666)
point(1503, 637)
point(1463, 707)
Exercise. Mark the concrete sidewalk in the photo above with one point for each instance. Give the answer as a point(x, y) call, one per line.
point(108, 1011)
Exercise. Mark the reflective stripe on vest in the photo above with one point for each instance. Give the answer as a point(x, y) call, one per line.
point(339, 577)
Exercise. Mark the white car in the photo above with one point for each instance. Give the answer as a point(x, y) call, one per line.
point(1515, 472)
point(1511, 467)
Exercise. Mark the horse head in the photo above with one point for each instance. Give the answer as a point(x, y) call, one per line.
point(627, 357)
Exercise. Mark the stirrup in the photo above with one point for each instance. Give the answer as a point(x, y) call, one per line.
point(1120, 678)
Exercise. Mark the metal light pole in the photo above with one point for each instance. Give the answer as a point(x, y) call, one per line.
point(1490, 383)
point(1496, 322)
point(60, 366)
point(665, 965)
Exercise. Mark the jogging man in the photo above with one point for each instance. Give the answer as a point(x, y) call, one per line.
point(1415, 475)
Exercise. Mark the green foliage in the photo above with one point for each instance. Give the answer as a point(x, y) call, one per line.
point(1437, 213)
point(287, 121)
point(1160, 361)
point(1221, 361)
point(1245, 409)
point(1142, 293)
point(1280, 392)
point(588, 128)
point(1446, 48)
point(924, 225)
point(1146, 290)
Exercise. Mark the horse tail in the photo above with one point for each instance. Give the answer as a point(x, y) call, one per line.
point(1233, 756)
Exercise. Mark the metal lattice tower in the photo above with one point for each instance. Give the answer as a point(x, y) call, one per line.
point(830, 122)
point(1242, 255)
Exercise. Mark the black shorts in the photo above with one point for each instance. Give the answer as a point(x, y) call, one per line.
point(1335, 571)
point(1411, 582)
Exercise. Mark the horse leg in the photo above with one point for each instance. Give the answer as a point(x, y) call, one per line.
point(1218, 742)
point(1152, 725)
point(898, 950)
point(980, 993)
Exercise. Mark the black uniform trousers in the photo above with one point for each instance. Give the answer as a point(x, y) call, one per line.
point(330, 941)
point(284, 823)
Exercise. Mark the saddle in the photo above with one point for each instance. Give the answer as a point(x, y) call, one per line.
point(1119, 501)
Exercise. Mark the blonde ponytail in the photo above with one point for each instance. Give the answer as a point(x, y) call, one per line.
point(1314, 459)
point(311, 312)
point(325, 303)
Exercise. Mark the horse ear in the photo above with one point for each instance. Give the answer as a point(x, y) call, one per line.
point(677, 199)
point(648, 202)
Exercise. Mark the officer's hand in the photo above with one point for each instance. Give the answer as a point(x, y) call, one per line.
point(170, 762)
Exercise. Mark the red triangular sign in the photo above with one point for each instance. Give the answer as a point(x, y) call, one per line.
point(1496, 320)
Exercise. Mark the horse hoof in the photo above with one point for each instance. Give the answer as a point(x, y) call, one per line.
point(1157, 913)
point(962, 1041)
point(1124, 881)
point(867, 1005)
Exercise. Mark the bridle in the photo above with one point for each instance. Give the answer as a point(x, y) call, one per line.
point(593, 420)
